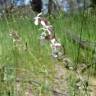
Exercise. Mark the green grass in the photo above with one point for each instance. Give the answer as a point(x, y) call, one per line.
point(79, 25)
point(35, 63)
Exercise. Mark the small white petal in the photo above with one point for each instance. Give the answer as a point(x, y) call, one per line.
point(54, 55)
point(57, 44)
point(43, 24)
point(53, 41)
point(49, 32)
point(39, 14)
point(36, 22)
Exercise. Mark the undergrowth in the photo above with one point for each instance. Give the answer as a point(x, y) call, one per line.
point(30, 62)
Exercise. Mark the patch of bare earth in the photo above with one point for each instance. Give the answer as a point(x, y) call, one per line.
point(60, 81)
point(92, 83)
point(60, 87)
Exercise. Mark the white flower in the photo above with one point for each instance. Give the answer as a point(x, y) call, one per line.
point(47, 30)
point(42, 38)
point(57, 45)
point(43, 23)
point(38, 15)
point(56, 48)
point(53, 41)
point(36, 22)
point(47, 34)
point(43, 35)
point(54, 51)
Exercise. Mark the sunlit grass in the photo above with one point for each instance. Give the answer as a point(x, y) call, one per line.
point(35, 63)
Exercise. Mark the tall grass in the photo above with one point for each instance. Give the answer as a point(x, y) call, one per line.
point(32, 64)
point(80, 25)
point(35, 63)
